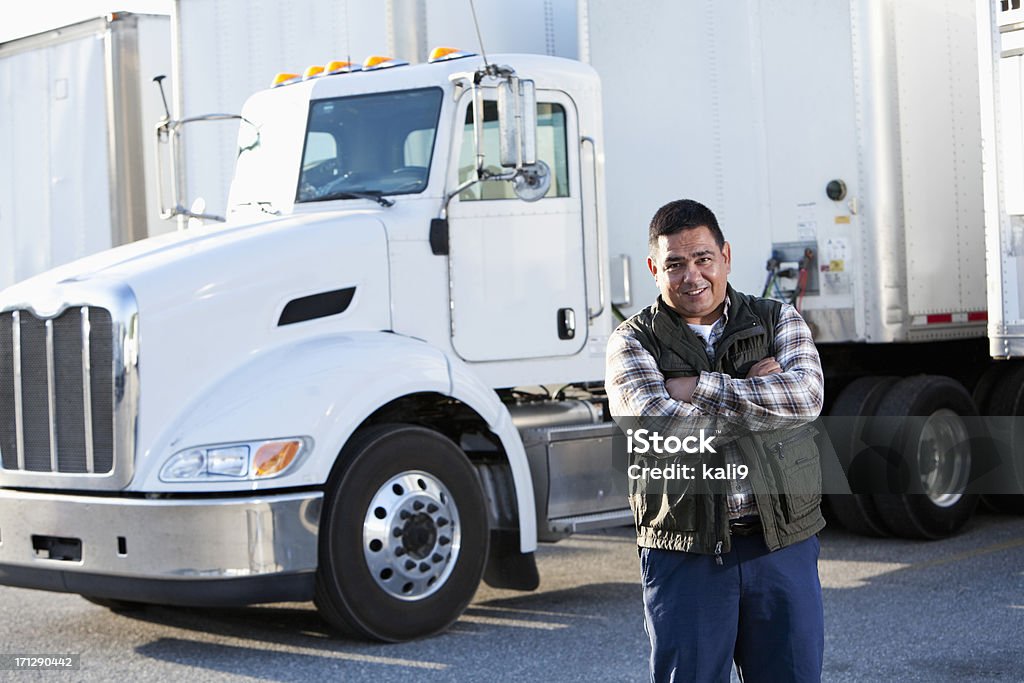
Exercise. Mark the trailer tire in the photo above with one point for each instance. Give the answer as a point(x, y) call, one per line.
point(985, 387)
point(403, 535)
point(935, 506)
point(1006, 398)
point(857, 511)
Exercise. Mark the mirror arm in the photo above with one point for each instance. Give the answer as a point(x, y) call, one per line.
point(478, 128)
point(451, 195)
point(168, 131)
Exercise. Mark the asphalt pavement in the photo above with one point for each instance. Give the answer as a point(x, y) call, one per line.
point(895, 610)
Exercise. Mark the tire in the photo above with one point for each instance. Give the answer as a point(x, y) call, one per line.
point(986, 385)
point(403, 535)
point(1006, 398)
point(930, 501)
point(857, 511)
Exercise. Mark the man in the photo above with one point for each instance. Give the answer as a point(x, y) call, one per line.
point(729, 576)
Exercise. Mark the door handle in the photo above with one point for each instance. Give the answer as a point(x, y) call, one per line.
point(566, 323)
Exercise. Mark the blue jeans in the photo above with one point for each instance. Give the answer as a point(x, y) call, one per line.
point(762, 609)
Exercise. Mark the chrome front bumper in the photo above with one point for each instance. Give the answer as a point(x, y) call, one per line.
point(196, 551)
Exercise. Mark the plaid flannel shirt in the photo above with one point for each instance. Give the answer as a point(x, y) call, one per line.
point(636, 388)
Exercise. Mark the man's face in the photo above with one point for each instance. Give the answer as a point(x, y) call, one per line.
point(691, 273)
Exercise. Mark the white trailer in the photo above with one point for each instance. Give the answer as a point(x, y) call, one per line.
point(843, 138)
point(75, 142)
point(1001, 391)
point(1004, 192)
point(327, 397)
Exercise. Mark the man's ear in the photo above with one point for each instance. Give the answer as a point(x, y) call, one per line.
point(727, 253)
point(651, 267)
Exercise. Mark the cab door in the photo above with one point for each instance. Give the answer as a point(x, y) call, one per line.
point(516, 268)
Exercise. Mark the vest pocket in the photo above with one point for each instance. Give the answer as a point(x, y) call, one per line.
point(797, 466)
point(671, 513)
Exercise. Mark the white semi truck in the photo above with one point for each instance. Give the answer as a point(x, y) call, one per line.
point(381, 379)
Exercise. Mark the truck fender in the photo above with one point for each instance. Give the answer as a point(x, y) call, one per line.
point(469, 389)
point(324, 388)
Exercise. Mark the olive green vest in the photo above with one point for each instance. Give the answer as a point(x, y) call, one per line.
point(784, 460)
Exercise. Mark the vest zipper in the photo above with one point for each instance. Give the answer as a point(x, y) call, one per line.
point(718, 526)
point(778, 447)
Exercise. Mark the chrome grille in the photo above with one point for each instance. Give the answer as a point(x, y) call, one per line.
point(56, 391)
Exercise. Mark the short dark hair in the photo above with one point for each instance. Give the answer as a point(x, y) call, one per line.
point(683, 214)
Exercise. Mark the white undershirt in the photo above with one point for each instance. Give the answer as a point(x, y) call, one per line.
point(704, 331)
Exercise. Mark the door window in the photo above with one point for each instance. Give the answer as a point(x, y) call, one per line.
point(551, 148)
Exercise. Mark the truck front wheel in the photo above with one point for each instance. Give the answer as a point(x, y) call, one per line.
point(403, 535)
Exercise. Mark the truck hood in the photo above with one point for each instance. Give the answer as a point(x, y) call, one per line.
point(199, 258)
point(194, 307)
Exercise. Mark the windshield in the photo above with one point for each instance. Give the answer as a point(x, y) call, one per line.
point(376, 144)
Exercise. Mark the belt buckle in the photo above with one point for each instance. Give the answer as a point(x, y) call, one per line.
point(745, 527)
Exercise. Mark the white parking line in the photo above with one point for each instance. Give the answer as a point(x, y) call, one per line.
point(514, 623)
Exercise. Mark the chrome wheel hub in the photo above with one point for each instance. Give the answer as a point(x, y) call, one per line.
point(944, 457)
point(411, 535)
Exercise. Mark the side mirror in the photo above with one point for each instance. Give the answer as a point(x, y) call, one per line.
point(517, 135)
point(517, 122)
point(532, 182)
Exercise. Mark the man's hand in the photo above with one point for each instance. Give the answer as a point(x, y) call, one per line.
point(765, 366)
point(681, 388)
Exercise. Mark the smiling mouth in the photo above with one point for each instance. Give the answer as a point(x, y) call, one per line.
point(696, 292)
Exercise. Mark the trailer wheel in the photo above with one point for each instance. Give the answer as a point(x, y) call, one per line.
point(403, 535)
point(1006, 398)
point(857, 511)
point(934, 455)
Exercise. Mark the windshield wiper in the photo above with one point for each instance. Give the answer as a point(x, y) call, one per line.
point(349, 194)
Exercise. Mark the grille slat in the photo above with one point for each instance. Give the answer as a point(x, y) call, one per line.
point(90, 458)
point(101, 354)
point(19, 431)
point(70, 406)
point(51, 395)
point(35, 390)
point(56, 392)
point(8, 431)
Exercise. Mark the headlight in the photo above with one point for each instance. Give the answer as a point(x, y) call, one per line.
point(254, 460)
point(232, 461)
point(187, 465)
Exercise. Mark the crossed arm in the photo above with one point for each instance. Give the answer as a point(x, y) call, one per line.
point(682, 388)
point(788, 385)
